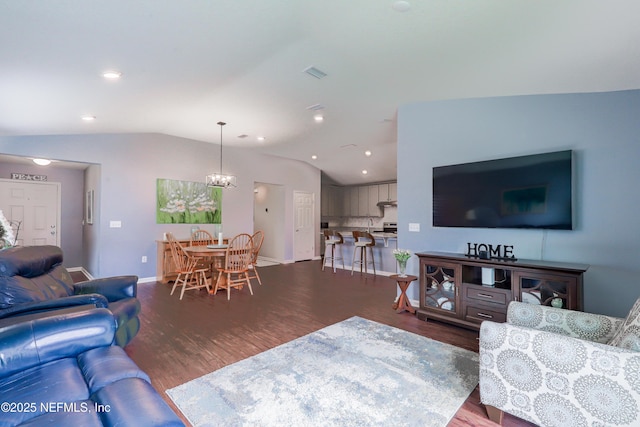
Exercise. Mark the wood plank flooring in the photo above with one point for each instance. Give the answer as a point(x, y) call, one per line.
point(183, 340)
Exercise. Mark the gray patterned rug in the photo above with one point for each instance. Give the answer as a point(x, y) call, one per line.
point(354, 373)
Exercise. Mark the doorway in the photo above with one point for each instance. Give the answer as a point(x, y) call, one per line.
point(36, 207)
point(269, 216)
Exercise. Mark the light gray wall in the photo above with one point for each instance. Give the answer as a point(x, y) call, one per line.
point(604, 131)
point(269, 208)
point(71, 199)
point(130, 164)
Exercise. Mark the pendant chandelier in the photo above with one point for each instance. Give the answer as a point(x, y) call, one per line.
point(220, 179)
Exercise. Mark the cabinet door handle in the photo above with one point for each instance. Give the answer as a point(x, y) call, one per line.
point(485, 295)
point(486, 316)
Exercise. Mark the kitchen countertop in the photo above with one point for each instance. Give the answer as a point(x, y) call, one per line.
point(348, 232)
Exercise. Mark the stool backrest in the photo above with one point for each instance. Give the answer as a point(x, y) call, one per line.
point(333, 235)
point(357, 235)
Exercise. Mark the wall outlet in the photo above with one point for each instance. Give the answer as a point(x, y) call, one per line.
point(144, 259)
point(414, 226)
point(115, 224)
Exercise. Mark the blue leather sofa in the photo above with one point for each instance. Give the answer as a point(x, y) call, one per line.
point(32, 279)
point(60, 369)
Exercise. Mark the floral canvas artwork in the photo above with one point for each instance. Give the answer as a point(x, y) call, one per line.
point(185, 202)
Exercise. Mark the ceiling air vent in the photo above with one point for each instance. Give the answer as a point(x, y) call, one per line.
point(313, 71)
point(315, 107)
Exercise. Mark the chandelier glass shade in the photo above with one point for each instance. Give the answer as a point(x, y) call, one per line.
point(220, 179)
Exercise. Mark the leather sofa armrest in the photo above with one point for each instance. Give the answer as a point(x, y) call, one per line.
point(97, 300)
point(31, 343)
point(114, 288)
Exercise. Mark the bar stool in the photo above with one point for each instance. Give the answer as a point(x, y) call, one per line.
point(332, 239)
point(361, 246)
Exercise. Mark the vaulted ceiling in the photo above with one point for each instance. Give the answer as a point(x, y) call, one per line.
point(188, 64)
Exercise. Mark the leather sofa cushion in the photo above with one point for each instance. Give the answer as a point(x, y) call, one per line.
point(105, 365)
point(19, 290)
point(149, 408)
point(29, 261)
point(27, 344)
point(57, 381)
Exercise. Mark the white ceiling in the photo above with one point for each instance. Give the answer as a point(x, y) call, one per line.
point(189, 64)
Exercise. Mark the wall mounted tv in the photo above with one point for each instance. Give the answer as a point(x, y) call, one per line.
point(519, 192)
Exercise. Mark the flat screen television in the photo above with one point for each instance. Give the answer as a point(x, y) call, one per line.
point(532, 191)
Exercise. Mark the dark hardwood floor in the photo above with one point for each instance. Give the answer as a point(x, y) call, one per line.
point(182, 340)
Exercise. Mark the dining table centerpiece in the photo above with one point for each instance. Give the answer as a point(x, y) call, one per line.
point(402, 256)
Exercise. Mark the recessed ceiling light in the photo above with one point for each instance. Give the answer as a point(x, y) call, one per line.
point(261, 138)
point(364, 172)
point(318, 117)
point(112, 75)
point(42, 162)
point(88, 118)
point(367, 153)
point(314, 157)
point(401, 6)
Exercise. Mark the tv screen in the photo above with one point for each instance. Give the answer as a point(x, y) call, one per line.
point(519, 192)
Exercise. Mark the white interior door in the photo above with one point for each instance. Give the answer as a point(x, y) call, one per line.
point(36, 205)
point(303, 236)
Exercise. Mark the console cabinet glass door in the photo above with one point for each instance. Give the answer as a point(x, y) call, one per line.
point(440, 290)
point(547, 289)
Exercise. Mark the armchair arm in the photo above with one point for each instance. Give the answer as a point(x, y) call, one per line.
point(24, 345)
point(553, 379)
point(97, 300)
point(587, 326)
point(114, 288)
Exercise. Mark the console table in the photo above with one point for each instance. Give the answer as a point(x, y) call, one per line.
point(452, 288)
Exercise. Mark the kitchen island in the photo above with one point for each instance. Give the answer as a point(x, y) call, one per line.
point(382, 252)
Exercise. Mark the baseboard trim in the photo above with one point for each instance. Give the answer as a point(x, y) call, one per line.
point(81, 269)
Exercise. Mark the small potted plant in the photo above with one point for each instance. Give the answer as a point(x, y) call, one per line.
point(402, 255)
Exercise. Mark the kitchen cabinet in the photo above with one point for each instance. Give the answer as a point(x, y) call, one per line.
point(330, 200)
point(355, 201)
point(373, 208)
point(383, 192)
point(346, 201)
point(368, 201)
point(393, 192)
point(363, 201)
point(452, 288)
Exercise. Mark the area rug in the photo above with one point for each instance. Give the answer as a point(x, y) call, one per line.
point(354, 373)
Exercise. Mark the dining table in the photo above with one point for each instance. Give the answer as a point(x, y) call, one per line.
point(215, 252)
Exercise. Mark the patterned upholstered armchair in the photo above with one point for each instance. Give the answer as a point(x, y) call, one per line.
point(556, 367)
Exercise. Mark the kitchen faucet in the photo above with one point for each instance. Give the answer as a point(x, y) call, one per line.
point(369, 224)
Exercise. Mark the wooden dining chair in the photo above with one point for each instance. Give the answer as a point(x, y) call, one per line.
point(256, 240)
point(236, 264)
point(190, 275)
point(201, 238)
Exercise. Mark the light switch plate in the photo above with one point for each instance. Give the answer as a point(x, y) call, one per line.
point(115, 224)
point(414, 226)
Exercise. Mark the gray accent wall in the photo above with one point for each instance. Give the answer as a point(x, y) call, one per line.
point(603, 129)
point(125, 189)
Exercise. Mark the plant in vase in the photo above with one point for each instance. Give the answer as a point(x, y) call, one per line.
point(7, 239)
point(402, 255)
